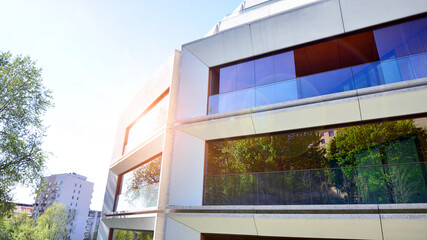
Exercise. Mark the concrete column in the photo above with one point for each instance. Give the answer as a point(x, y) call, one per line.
point(159, 229)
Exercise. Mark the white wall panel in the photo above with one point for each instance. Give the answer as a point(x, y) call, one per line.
point(341, 226)
point(302, 25)
point(186, 180)
point(176, 230)
point(221, 128)
point(242, 224)
point(314, 115)
point(223, 47)
point(362, 13)
point(192, 87)
point(404, 226)
point(392, 104)
point(132, 222)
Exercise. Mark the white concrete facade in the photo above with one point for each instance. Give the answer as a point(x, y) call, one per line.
point(268, 28)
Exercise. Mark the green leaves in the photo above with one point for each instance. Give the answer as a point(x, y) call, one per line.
point(23, 102)
point(53, 224)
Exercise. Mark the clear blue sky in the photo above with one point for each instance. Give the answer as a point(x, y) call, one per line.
point(95, 55)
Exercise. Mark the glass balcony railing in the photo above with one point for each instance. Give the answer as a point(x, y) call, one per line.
point(400, 183)
point(340, 80)
point(138, 198)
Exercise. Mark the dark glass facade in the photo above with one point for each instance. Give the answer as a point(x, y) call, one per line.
point(371, 163)
point(374, 57)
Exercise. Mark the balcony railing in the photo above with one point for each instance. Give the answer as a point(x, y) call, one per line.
point(398, 183)
point(340, 80)
point(138, 199)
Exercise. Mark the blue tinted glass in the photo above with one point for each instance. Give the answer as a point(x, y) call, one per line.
point(265, 95)
point(234, 100)
point(245, 75)
point(390, 72)
point(284, 66)
point(415, 34)
point(227, 79)
point(287, 91)
point(419, 63)
point(213, 104)
point(264, 70)
point(366, 75)
point(402, 39)
point(391, 42)
point(326, 83)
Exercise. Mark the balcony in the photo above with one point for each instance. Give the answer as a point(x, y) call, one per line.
point(140, 198)
point(336, 81)
point(400, 183)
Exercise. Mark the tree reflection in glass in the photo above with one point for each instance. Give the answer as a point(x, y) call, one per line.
point(370, 163)
point(140, 186)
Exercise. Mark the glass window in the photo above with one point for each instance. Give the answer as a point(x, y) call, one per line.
point(402, 39)
point(361, 164)
point(374, 57)
point(264, 70)
point(139, 187)
point(284, 66)
point(132, 234)
point(227, 79)
point(326, 83)
point(245, 75)
point(147, 125)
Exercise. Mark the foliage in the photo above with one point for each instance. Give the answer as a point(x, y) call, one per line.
point(378, 145)
point(132, 235)
point(53, 224)
point(145, 175)
point(23, 102)
point(141, 188)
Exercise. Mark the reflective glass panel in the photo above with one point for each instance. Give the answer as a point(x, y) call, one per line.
point(140, 187)
point(147, 125)
point(264, 70)
point(365, 59)
point(326, 83)
point(227, 79)
point(120, 234)
point(419, 63)
point(245, 75)
point(284, 66)
point(361, 164)
point(232, 101)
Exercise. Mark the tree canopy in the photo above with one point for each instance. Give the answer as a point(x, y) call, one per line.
point(23, 102)
point(54, 224)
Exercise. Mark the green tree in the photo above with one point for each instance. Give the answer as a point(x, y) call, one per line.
point(390, 149)
point(132, 235)
point(55, 223)
point(23, 102)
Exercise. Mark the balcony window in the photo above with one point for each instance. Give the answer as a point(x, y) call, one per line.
point(133, 234)
point(361, 164)
point(139, 187)
point(149, 123)
point(375, 57)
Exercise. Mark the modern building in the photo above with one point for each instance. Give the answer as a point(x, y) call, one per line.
point(92, 225)
point(74, 192)
point(289, 120)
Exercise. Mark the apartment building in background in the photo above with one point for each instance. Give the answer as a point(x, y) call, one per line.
point(23, 208)
point(74, 192)
point(288, 120)
point(92, 225)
